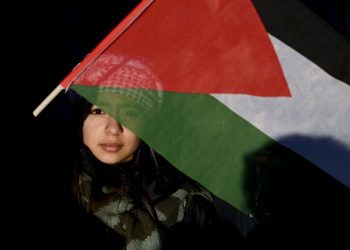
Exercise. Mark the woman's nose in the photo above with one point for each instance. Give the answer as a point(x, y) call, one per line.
point(113, 127)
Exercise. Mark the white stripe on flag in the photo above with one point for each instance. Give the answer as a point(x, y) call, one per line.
point(319, 109)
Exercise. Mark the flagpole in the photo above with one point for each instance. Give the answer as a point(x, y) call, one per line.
point(89, 58)
point(107, 41)
point(47, 100)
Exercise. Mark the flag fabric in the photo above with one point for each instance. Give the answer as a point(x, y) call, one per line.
point(208, 83)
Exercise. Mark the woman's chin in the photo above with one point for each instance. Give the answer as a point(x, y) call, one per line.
point(114, 160)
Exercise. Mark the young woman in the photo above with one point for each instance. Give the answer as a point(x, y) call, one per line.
point(136, 193)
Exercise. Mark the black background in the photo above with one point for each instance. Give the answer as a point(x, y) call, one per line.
point(44, 41)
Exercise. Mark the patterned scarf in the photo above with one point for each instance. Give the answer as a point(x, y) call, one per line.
point(136, 225)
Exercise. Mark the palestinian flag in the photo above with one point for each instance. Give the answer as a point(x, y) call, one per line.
point(209, 84)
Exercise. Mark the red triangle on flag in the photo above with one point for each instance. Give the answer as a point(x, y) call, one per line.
point(192, 47)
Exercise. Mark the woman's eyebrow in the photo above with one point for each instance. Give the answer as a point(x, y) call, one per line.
point(102, 104)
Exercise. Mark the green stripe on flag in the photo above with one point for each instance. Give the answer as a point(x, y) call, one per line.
point(195, 132)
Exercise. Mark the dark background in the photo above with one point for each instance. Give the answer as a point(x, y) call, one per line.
point(44, 42)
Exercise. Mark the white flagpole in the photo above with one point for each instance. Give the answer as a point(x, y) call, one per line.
point(47, 100)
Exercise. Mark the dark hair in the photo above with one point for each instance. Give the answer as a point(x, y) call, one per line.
point(79, 109)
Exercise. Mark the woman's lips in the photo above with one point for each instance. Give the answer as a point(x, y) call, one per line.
point(111, 147)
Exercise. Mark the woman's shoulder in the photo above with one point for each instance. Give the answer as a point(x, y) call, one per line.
point(188, 212)
point(200, 226)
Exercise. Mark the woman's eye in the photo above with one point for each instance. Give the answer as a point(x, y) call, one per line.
point(97, 111)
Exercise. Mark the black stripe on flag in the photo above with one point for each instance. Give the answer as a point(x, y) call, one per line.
point(300, 28)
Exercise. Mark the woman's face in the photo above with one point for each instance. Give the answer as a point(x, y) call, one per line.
point(108, 140)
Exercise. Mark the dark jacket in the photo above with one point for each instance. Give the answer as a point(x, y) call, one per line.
point(201, 226)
